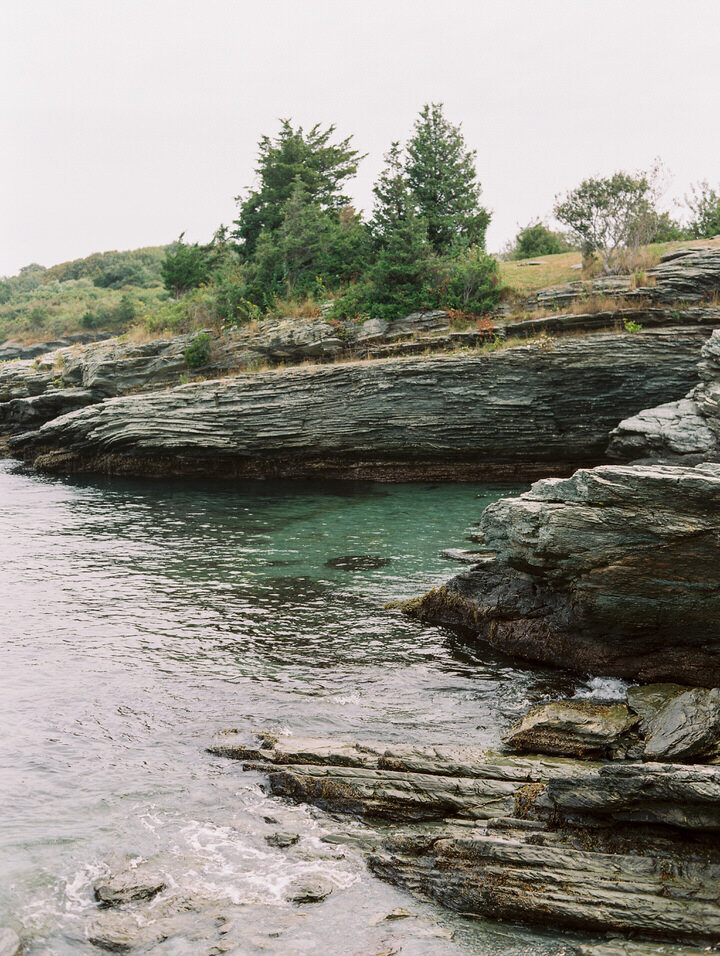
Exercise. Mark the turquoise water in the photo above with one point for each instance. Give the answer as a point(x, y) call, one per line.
point(141, 617)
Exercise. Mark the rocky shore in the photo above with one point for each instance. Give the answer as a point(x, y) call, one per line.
point(594, 816)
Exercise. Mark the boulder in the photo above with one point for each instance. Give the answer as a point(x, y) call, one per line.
point(686, 728)
point(309, 890)
point(127, 886)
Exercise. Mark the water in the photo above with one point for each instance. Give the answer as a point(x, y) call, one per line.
point(141, 617)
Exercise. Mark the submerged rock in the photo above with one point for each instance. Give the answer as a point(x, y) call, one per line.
point(613, 571)
point(10, 943)
point(282, 839)
point(358, 562)
point(572, 728)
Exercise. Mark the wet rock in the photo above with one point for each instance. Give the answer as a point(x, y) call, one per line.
point(624, 947)
point(19, 414)
point(625, 847)
point(686, 727)
point(282, 839)
point(137, 883)
point(463, 555)
point(119, 932)
point(358, 562)
point(613, 571)
point(572, 728)
point(10, 943)
point(646, 700)
point(499, 415)
point(400, 913)
point(309, 890)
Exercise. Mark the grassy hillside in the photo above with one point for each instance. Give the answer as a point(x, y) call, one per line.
point(105, 291)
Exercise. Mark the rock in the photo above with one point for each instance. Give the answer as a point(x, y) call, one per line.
point(309, 890)
point(462, 555)
point(137, 883)
point(400, 913)
point(10, 943)
point(500, 415)
point(687, 726)
point(647, 699)
point(19, 414)
point(624, 847)
point(687, 429)
point(282, 839)
point(572, 728)
point(358, 562)
point(624, 947)
point(613, 571)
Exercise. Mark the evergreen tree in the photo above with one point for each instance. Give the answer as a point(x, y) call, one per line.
point(185, 267)
point(392, 197)
point(322, 166)
point(442, 178)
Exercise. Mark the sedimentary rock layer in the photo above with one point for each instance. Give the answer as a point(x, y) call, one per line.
point(688, 429)
point(612, 571)
point(627, 847)
point(518, 412)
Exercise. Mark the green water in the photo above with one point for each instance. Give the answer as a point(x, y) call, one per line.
point(142, 617)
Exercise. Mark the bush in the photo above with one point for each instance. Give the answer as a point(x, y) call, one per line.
point(471, 283)
point(537, 240)
point(197, 354)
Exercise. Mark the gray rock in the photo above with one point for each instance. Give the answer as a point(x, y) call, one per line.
point(531, 839)
point(10, 943)
point(137, 883)
point(624, 947)
point(571, 728)
point(497, 415)
point(282, 839)
point(613, 571)
point(20, 414)
point(309, 890)
point(687, 726)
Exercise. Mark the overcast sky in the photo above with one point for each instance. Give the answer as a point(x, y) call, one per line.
point(126, 122)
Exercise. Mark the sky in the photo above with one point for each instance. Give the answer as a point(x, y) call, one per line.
point(127, 122)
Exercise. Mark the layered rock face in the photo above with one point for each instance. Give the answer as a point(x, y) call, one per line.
point(612, 571)
point(524, 411)
point(686, 430)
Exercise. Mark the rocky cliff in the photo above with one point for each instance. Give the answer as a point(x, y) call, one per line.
point(613, 571)
point(525, 411)
point(687, 430)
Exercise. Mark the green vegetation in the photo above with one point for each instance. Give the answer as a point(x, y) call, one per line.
point(535, 240)
point(612, 217)
point(197, 354)
point(104, 291)
point(299, 248)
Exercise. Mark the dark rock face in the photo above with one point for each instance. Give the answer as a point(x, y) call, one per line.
point(625, 847)
point(20, 414)
point(612, 571)
point(687, 430)
point(524, 411)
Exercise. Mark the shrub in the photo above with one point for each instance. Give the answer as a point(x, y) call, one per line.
point(197, 354)
point(471, 283)
point(631, 326)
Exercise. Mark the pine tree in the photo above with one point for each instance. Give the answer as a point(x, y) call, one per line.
point(321, 165)
point(442, 179)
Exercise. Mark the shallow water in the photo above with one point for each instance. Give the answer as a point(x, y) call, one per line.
point(141, 617)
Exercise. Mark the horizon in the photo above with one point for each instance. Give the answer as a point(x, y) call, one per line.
point(133, 125)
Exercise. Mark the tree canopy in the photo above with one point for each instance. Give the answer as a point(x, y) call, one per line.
point(321, 165)
point(441, 176)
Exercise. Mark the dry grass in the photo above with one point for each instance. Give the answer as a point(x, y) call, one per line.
point(306, 308)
